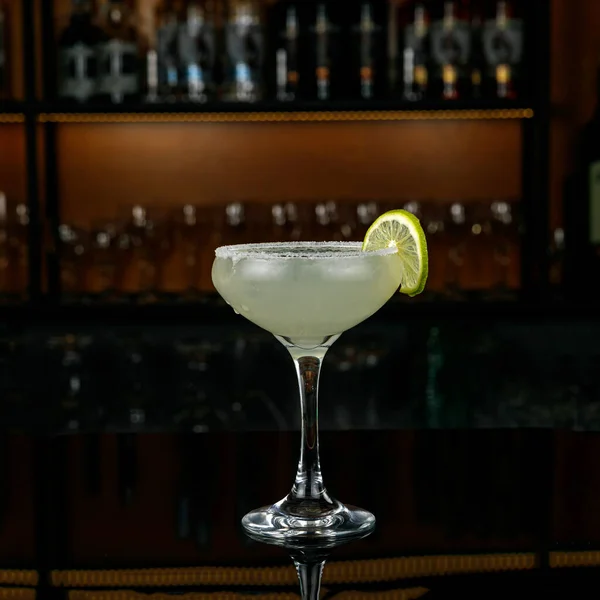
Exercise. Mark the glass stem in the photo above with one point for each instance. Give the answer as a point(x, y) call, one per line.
point(309, 481)
point(308, 484)
point(309, 575)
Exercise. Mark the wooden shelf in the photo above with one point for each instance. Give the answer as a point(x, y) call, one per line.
point(272, 112)
point(11, 111)
point(265, 112)
point(7, 118)
point(286, 117)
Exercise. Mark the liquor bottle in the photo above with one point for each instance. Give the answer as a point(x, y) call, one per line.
point(151, 71)
point(477, 66)
point(392, 46)
point(325, 47)
point(163, 62)
point(118, 55)
point(77, 54)
point(4, 58)
point(415, 55)
point(245, 51)
point(286, 57)
point(197, 50)
point(450, 50)
point(503, 49)
point(582, 209)
point(368, 68)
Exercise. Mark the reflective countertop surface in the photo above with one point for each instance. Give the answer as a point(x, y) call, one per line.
point(70, 374)
point(130, 452)
point(481, 510)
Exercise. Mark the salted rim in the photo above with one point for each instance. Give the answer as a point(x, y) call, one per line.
point(314, 250)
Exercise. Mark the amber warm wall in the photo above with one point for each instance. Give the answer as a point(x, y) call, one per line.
point(12, 160)
point(102, 166)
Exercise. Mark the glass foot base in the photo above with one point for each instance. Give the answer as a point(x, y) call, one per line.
point(304, 522)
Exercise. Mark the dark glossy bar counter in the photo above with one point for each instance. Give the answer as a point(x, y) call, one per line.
point(480, 512)
point(132, 443)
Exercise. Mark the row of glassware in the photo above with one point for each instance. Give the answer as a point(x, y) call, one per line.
point(14, 242)
point(149, 253)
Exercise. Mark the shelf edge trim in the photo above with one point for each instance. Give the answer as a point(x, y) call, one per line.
point(290, 117)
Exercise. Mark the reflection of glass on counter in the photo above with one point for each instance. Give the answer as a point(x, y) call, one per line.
point(205, 378)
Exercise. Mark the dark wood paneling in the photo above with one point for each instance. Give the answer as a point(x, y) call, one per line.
point(575, 58)
point(437, 492)
point(17, 545)
point(576, 519)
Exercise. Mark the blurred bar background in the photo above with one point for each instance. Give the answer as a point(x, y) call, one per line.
point(137, 136)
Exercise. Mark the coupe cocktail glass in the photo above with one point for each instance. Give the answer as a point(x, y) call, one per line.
point(307, 294)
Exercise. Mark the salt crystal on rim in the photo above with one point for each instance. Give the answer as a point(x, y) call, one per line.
point(303, 250)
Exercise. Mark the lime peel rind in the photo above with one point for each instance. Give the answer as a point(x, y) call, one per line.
point(402, 229)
